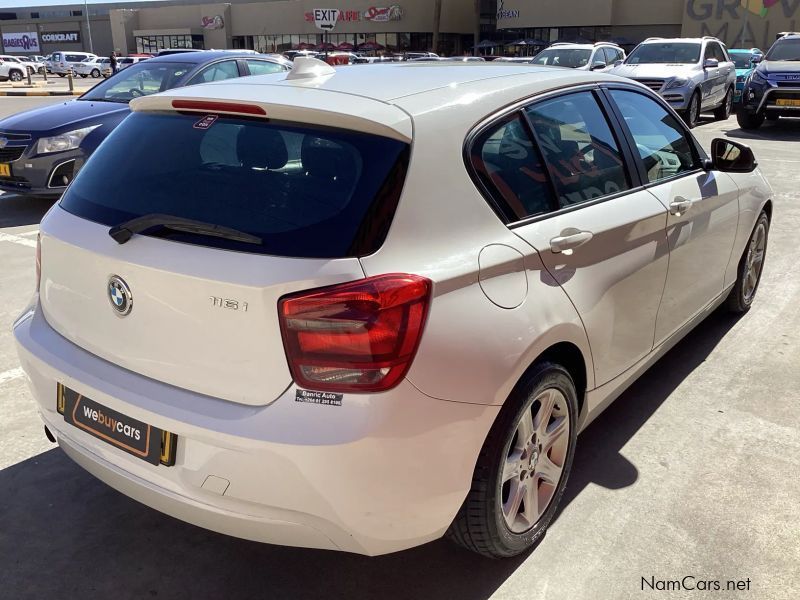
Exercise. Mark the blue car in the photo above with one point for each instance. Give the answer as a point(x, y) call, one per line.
point(743, 59)
point(41, 150)
point(772, 90)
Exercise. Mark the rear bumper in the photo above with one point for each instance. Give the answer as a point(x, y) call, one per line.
point(378, 474)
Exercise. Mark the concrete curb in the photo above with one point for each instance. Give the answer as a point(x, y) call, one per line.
point(41, 93)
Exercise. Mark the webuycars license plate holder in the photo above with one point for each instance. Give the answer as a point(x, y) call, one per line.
point(787, 102)
point(130, 435)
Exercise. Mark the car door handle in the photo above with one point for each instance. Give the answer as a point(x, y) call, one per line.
point(569, 239)
point(679, 206)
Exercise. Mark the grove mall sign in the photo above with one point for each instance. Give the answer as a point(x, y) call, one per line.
point(27, 41)
point(327, 18)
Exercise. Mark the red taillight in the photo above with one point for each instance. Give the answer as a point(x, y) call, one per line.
point(212, 106)
point(355, 337)
point(38, 260)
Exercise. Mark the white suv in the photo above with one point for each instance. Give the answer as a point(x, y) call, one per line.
point(12, 69)
point(588, 57)
point(286, 325)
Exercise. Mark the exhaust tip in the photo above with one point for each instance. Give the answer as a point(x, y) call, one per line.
point(49, 435)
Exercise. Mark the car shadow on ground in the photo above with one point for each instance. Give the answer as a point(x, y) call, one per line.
point(16, 211)
point(783, 130)
point(64, 534)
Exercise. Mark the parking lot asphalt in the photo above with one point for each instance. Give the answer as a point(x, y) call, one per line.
point(694, 471)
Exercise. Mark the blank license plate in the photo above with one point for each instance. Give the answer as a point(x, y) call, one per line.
point(787, 102)
point(126, 433)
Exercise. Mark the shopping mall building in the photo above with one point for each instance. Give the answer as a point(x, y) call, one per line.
point(393, 25)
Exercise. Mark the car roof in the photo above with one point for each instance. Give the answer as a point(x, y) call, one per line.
point(381, 98)
point(204, 56)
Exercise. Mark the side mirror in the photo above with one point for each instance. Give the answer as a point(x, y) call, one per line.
point(618, 62)
point(756, 58)
point(711, 63)
point(598, 64)
point(732, 157)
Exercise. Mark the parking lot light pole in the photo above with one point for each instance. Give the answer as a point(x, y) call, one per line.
point(88, 25)
point(744, 24)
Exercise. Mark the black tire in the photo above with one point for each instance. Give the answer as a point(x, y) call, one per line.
point(692, 114)
point(749, 120)
point(480, 525)
point(84, 76)
point(739, 301)
point(61, 75)
point(95, 73)
point(15, 75)
point(724, 110)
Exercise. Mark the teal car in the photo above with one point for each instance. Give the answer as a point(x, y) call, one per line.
point(743, 59)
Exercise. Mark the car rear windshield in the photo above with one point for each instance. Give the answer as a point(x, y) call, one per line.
point(741, 59)
point(305, 191)
point(665, 53)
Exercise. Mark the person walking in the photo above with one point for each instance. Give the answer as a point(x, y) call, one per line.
point(113, 61)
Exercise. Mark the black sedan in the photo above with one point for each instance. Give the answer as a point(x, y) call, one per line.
point(42, 149)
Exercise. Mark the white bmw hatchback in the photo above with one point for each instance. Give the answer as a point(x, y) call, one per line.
point(360, 309)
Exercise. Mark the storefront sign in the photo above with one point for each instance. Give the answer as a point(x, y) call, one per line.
point(505, 13)
point(746, 23)
point(382, 15)
point(21, 42)
point(325, 18)
point(375, 14)
point(215, 22)
point(61, 37)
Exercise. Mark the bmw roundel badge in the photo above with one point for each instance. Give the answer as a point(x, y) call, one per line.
point(119, 294)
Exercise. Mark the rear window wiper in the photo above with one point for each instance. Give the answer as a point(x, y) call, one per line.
point(124, 231)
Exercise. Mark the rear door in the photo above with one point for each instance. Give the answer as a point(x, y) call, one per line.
point(601, 238)
point(703, 208)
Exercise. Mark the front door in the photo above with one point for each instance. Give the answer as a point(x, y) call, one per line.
point(703, 208)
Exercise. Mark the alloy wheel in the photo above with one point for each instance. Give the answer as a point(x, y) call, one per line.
point(754, 262)
point(535, 460)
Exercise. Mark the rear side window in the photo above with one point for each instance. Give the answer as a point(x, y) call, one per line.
point(579, 149)
point(509, 165)
point(263, 67)
point(75, 57)
point(306, 192)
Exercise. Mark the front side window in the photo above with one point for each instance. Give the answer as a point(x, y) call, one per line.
point(579, 149)
point(662, 143)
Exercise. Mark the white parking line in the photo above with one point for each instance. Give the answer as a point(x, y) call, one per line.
point(7, 376)
point(17, 239)
point(34, 232)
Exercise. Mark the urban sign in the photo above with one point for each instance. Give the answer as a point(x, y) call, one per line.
point(61, 37)
point(215, 22)
point(325, 18)
point(506, 13)
point(27, 41)
point(375, 14)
